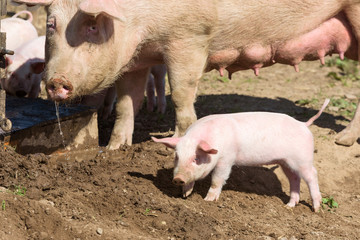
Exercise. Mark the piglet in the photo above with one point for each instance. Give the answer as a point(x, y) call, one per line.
point(24, 69)
point(18, 31)
point(217, 142)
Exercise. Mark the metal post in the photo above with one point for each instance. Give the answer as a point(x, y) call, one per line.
point(5, 123)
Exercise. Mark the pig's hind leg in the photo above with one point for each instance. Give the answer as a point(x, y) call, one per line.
point(309, 174)
point(294, 181)
point(351, 133)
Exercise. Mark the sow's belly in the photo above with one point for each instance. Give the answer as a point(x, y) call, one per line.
point(333, 36)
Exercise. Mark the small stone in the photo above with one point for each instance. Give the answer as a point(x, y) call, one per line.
point(333, 108)
point(99, 231)
point(350, 96)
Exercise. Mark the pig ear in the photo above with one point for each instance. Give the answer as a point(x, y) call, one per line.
point(110, 8)
point(33, 2)
point(169, 142)
point(204, 146)
point(37, 66)
point(8, 62)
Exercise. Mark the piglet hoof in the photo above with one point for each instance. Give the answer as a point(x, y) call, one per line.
point(346, 137)
point(211, 197)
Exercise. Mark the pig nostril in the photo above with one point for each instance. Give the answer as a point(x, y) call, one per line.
point(178, 182)
point(51, 87)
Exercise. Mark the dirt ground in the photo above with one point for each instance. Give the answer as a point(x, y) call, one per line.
point(128, 193)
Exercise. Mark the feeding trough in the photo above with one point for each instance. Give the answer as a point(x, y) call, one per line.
point(37, 129)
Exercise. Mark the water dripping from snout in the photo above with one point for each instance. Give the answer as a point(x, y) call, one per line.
point(61, 132)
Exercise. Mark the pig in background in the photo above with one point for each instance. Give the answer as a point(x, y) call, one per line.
point(18, 31)
point(217, 142)
point(24, 69)
point(135, 35)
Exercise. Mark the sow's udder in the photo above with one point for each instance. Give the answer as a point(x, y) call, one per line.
point(333, 36)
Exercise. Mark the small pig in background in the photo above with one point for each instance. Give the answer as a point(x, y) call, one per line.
point(18, 31)
point(24, 69)
point(217, 142)
point(156, 81)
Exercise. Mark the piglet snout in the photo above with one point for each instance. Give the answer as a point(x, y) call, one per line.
point(59, 89)
point(179, 180)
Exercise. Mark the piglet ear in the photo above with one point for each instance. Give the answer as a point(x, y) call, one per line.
point(110, 8)
point(33, 2)
point(204, 146)
point(37, 66)
point(169, 142)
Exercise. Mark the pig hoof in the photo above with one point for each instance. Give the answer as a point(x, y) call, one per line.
point(346, 138)
point(211, 197)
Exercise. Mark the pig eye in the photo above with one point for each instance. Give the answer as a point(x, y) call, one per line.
point(92, 29)
point(51, 25)
point(28, 76)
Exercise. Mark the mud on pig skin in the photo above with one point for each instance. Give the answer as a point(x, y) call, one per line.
point(123, 38)
point(217, 142)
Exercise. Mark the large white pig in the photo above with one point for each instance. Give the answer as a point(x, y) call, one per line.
point(92, 43)
point(18, 31)
point(217, 142)
point(24, 69)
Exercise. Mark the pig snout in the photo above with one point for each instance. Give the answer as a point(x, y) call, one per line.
point(179, 180)
point(59, 89)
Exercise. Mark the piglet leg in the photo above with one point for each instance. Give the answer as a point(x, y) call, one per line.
point(219, 177)
point(310, 177)
point(294, 181)
point(187, 189)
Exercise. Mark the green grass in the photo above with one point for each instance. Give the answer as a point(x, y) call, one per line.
point(20, 190)
point(3, 205)
point(330, 203)
point(347, 70)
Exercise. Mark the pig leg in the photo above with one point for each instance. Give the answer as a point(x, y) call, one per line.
point(150, 93)
point(130, 92)
point(186, 62)
point(187, 189)
point(108, 103)
point(351, 133)
point(159, 73)
point(218, 179)
point(294, 181)
point(309, 174)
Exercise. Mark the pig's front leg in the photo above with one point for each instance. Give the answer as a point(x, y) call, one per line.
point(130, 92)
point(187, 189)
point(351, 133)
point(186, 62)
point(219, 177)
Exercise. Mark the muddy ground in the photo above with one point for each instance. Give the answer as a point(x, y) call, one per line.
point(128, 193)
